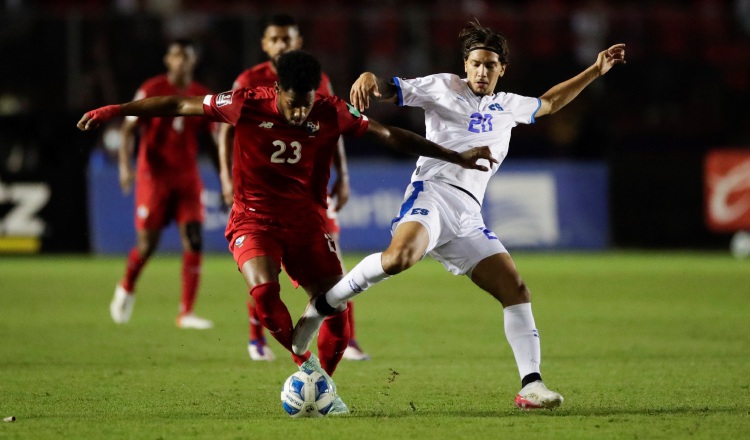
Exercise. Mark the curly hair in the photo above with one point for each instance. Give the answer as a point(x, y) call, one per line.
point(298, 71)
point(474, 36)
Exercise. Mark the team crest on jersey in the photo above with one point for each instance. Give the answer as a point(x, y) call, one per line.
point(142, 211)
point(224, 99)
point(240, 241)
point(353, 111)
point(312, 127)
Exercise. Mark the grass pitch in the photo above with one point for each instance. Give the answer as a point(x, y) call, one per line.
point(642, 345)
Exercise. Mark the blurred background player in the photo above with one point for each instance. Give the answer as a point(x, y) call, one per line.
point(281, 35)
point(167, 184)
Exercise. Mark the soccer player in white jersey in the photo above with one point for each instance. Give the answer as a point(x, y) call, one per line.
point(441, 214)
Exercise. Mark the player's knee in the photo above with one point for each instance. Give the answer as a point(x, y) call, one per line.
point(194, 236)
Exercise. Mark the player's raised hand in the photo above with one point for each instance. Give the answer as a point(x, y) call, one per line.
point(94, 118)
point(470, 157)
point(362, 88)
point(610, 57)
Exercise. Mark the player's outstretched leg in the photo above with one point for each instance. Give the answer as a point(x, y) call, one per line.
point(333, 340)
point(364, 275)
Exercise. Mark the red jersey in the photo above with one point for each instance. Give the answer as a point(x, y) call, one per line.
point(169, 146)
point(279, 168)
point(263, 75)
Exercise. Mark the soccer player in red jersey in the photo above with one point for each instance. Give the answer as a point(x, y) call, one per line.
point(285, 138)
point(167, 184)
point(281, 35)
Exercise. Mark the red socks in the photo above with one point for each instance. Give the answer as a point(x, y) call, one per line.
point(133, 269)
point(191, 275)
point(274, 316)
point(350, 314)
point(332, 341)
point(256, 328)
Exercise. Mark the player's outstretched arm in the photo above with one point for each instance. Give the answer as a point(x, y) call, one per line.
point(407, 142)
point(149, 107)
point(368, 85)
point(562, 94)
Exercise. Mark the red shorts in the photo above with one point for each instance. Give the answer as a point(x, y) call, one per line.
point(301, 245)
point(330, 216)
point(159, 201)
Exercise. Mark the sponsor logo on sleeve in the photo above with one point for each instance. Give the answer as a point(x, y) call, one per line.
point(223, 99)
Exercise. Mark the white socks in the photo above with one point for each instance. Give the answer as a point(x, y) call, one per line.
point(364, 275)
point(520, 330)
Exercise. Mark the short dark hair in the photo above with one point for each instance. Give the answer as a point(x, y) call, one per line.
point(298, 71)
point(475, 35)
point(281, 20)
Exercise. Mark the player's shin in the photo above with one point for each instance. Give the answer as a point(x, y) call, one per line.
point(273, 313)
point(522, 335)
point(333, 340)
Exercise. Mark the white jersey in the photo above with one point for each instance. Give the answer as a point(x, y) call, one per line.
point(458, 120)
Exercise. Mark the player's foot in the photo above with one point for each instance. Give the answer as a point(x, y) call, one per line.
point(536, 396)
point(121, 307)
point(354, 353)
point(338, 408)
point(259, 351)
point(189, 320)
point(313, 363)
point(307, 326)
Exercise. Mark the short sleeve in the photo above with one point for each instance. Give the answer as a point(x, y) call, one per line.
point(416, 92)
point(524, 108)
point(225, 107)
point(351, 121)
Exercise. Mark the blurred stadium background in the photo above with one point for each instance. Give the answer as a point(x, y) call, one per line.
point(624, 166)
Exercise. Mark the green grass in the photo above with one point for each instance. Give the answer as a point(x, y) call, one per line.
point(642, 345)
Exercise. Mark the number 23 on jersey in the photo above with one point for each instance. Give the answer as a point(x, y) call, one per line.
point(280, 155)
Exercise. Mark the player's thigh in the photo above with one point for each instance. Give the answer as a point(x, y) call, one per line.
point(152, 203)
point(313, 263)
point(471, 244)
point(188, 207)
point(257, 254)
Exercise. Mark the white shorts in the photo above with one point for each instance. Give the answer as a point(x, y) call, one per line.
point(453, 219)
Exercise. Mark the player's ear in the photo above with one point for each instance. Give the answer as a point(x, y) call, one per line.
point(300, 42)
point(502, 69)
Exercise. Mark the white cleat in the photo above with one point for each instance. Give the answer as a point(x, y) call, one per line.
point(536, 396)
point(307, 326)
point(260, 352)
point(191, 321)
point(353, 353)
point(121, 307)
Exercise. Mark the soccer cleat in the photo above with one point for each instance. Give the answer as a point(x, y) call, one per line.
point(354, 353)
point(536, 396)
point(313, 363)
point(259, 351)
point(338, 408)
point(307, 326)
point(121, 307)
point(189, 320)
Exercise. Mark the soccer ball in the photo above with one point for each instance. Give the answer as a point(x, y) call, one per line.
point(307, 394)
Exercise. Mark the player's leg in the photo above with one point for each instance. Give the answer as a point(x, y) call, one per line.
point(353, 351)
point(497, 275)
point(257, 346)
point(191, 235)
point(261, 274)
point(123, 301)
point(407, 247)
